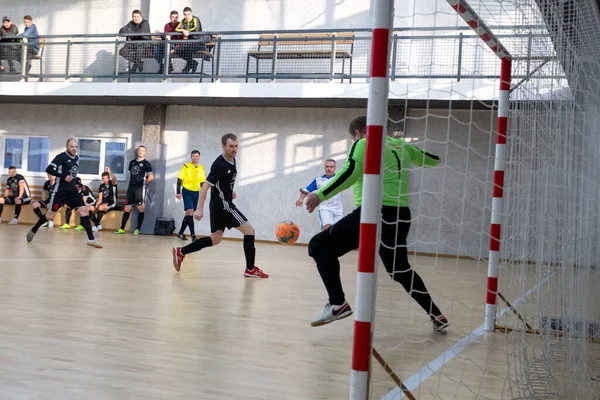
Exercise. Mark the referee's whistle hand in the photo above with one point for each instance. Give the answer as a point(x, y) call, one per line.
point(178, 195)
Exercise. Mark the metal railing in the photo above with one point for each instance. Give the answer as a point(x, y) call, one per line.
point(312, 55)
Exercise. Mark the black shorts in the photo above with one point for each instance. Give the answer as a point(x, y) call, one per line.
point(43, 203)
point(226, 218)
point(11, 200)
point(72, 200)
point(110, 206)
point(136, 195)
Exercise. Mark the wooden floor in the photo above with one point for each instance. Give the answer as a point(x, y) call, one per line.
point(120, 323)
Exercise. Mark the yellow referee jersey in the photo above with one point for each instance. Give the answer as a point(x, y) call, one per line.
point(191, 176)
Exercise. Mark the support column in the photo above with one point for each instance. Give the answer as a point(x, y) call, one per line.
point(153, 137)
point(159, 11)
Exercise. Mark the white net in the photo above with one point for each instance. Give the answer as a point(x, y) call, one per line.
point(444, 100)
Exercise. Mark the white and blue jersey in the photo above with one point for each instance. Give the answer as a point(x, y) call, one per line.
point(335, 203)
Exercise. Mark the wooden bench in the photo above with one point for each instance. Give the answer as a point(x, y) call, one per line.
point(322, 48)
point(110, 221)
point(39, 57)
point(203, 55)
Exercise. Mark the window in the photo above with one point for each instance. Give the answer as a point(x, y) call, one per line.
point(96, 154)
point(28, 153)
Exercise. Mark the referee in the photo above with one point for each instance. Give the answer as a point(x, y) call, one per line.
point(189, 181)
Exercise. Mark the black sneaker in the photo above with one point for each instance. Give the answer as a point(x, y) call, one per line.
point(182, 237)
point(440, 323)
point(194, 238)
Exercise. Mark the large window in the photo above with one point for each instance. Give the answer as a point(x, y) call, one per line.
point(29, 154)
point(96, 154)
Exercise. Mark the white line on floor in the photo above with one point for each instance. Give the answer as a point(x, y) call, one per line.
point(417, 379)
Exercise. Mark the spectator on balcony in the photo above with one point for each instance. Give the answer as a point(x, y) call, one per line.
point(159, 50)
point(135, 52)
point(190, 24)
point(8, 52)
point(33, 40)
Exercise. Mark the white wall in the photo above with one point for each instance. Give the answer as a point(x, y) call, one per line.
point(61, 17)
point(62, 122)
point(282, 149)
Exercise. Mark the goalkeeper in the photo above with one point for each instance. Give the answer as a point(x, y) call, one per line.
point(342, 237)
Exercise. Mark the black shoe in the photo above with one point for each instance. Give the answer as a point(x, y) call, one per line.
point(182, 237)
point(194, 238)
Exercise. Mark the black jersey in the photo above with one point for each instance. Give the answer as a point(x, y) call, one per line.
point(108, 192)
point(222, 178)
point(139, 170)
point(13, 184)
point(87, 195)
point(49, 187)
point(62, 166)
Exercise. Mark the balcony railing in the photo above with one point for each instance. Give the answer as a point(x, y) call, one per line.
point(288, 56)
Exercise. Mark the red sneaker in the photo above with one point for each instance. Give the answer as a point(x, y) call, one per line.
point(177, 258)
point(255, 273)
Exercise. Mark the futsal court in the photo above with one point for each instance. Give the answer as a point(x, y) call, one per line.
point(120, 323)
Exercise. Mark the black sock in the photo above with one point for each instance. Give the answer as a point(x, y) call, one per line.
point(85, 222)
point(99, 217)
point(249, 251)
point(183, 225)
point(17, 210)
point(39, 223)
point(140, 220)
point(190, 223)
point(125, 219)
point(68, 216)
point(197, 245)
point(38, 212)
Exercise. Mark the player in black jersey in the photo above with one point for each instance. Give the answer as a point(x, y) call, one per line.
point(65, 167)
point(107, 196)
point(223, 213)
point(88, 199)
point(141, 175)
point(17, 192)
point(37, 205)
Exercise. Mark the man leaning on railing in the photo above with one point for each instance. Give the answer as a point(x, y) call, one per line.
point(190, 24)
point(33, 40)
point(134, 53)
point(8, 52)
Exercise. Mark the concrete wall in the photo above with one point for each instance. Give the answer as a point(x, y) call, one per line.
point(62, 122)
point(283, 149)
point(58, 17)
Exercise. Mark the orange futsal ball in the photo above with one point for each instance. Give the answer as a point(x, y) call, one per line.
point(287, 232)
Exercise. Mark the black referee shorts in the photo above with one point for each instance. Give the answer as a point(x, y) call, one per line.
point(226, 218)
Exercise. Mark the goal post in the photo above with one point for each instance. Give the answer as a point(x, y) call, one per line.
point(370, 216)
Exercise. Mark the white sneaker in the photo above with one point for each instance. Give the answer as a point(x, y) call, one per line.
point(99, 227)
point(94, 229)
point(332, 313)
point(94, 243)
point(13, 221)
point(50, 224)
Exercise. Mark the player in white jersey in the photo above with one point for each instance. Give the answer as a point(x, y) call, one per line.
point(332, 210)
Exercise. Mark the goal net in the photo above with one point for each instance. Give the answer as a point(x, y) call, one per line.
point(504, 231)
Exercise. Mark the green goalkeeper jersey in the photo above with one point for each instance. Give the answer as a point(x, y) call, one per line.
point(398, 155)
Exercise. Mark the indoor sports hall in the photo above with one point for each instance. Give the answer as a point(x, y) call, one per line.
point(504, 224)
